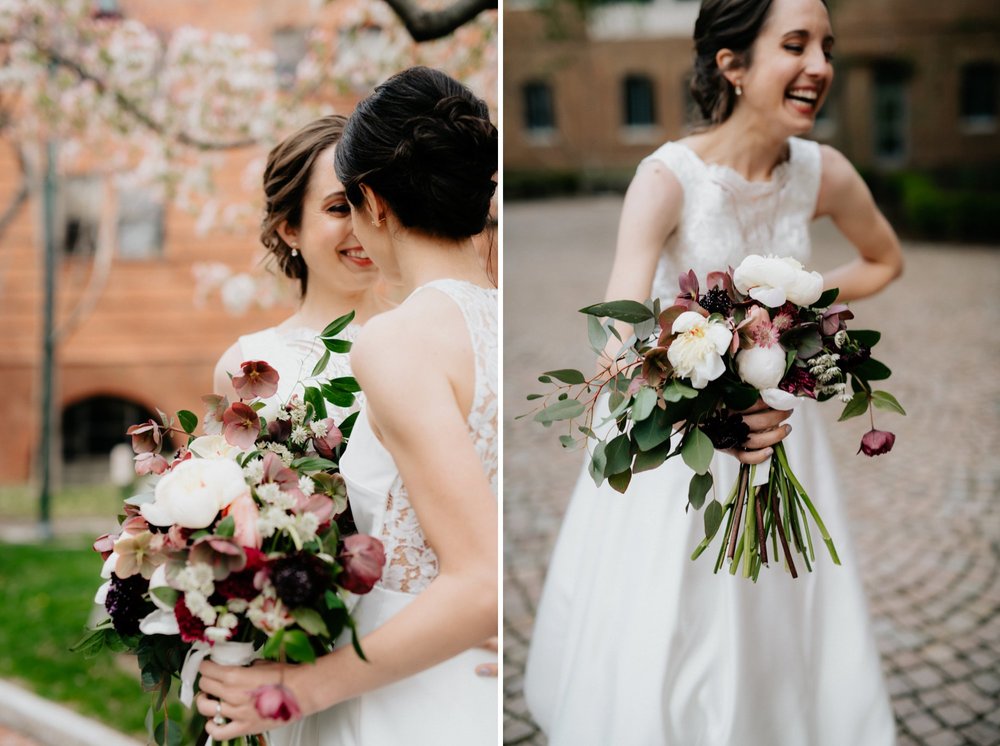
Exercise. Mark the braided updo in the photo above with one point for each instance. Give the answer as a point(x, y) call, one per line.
point(286, 182)
point(424, 143)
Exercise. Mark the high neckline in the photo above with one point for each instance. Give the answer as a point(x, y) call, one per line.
point(731, 176)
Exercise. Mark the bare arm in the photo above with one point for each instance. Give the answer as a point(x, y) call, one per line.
point(844, 196)
point(457, 511)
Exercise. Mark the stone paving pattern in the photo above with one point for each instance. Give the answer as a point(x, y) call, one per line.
point(925, 519)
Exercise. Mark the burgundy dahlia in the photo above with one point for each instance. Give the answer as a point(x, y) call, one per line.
point(192, 628)
point(799, 382)
point(726, 430)
point(241, 584)
point(125, 603)
point(299, 579)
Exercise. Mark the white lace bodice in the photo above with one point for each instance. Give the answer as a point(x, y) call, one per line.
point(293, 353)
point(379, 499)
point(725, 217)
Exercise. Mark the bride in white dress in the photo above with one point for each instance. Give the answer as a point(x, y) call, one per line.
point(634, 643)
point(417, 159)
point(308, 232)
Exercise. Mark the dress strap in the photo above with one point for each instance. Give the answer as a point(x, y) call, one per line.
point(805, 170)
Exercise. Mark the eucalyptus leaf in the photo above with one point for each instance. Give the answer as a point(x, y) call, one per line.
point(620, 482)
point(697, 489)
point(629, 311)
point(320, 365)
point(885, 400)
point(567, 441)
point(166, 594)
point(649, 460)
point(652, 431)
point(561, 410)
point(713, 519)
point(597, 334)
point(532, 397)
point(598, 462)
point(643, 329)
point(567, 375)
point(644, 403)
point(168, 733)
point(675, 391)
point(858, 405)
point(697, 450)
point(188, 420)
point(618, 453)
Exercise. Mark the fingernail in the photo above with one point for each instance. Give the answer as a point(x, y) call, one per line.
point(484, 670)
point(789, 429)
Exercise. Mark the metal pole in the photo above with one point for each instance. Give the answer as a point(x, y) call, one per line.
point(48, 340)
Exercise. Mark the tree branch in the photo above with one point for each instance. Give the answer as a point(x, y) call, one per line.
point(127, 104)
point(427, 25)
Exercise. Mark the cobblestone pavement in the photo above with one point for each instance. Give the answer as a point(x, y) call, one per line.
point(925, 519)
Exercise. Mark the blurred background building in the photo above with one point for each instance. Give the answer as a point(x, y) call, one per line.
point(591, 88)
point(154, 278)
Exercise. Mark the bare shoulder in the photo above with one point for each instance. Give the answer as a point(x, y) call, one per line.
point(841, 186)
point(409, 337)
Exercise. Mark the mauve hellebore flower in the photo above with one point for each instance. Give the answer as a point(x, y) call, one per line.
point(877, 442)
point(258, 380)
point(275, 702)
point(146, 437)
point(241, 426)
point(363, 558)
point(327, 443)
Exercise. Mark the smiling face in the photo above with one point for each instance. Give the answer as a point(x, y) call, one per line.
point(325, 237)
point(790, 71)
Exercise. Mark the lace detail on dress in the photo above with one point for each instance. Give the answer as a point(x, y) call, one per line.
point(725, 217)
point(293, 353)
point(411, 563)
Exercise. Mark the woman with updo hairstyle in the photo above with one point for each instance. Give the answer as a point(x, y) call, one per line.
point(635, 643)
point(308, 234)
point(417, 161)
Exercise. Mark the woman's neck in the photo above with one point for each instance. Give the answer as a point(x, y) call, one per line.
point(423, 259)
point(747, 149)
point(319, 308)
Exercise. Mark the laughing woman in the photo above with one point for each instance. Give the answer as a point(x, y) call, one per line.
point(635, 644)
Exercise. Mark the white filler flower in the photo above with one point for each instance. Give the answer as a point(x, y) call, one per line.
point(772, 280)
point(698, 347)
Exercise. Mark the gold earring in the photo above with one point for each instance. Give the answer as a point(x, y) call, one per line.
point(739, 90)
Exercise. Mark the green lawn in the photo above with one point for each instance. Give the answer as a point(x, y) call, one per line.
point(21, 501)
point(47, 593)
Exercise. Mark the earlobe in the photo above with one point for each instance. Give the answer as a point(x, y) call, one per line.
point(288, 234)
point(728, 63)
point(374, 204)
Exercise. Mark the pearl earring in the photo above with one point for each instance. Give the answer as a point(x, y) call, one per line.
point(739, 90)
point(295, 250)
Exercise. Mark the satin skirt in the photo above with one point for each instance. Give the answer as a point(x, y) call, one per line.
point(446, 705)
point(636, 644)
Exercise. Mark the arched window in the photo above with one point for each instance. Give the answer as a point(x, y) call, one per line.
point(639, 105)
point(91, 428)
point(539, 112)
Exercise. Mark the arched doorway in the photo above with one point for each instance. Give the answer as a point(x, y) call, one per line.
point(91, 427)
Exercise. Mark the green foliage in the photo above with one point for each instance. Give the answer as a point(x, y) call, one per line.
point(698, 488)
point(188, 420)
point(885, 400)
point(629, 311)
point(697, 450)
point(51, 587)
point(858, 405)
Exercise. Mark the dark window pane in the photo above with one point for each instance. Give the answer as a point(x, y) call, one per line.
point(979, 91)
point(639, 106)
point(538, 110)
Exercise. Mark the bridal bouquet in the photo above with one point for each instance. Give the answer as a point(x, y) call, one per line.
point(237, 552)
point(676, 387)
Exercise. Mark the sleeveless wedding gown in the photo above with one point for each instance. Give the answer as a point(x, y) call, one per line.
point(293, 352)
point(447, 704)
point(634, 643)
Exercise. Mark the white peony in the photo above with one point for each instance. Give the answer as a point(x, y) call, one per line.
point(213, 446)
point(779, 399)
point(762, 367)
point(697, 349)
point(193, 492)
point(772, 280)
